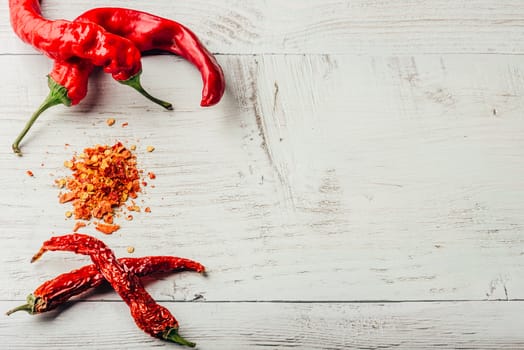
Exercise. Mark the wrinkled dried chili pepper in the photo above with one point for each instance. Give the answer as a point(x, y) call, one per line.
point(149, 316)
point(58, 290)
point(64, 40)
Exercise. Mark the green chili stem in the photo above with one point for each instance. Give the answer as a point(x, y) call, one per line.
point(134, 82)
point(172, 335)
point(29, 306)
point(57, 95)
point(25, 307)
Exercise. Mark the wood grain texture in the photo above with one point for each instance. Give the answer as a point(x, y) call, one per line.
point(360, 186)
point(465, 325)
point(395, 27)
point(317, 178)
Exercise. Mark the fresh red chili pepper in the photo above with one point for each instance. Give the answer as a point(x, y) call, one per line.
point(151, 317)
point(61, 40)
point(150, 32)
point(64, 40)
point(58, 290)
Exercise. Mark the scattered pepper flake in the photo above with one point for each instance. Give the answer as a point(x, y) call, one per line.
point(110, 121)
point(124, 124)
point(79, 225)
point(66, 197)
point(129, 217)
point(108, 218)
point(147, 210)
point(151, 175)
point(30, 173)
point(107, 228)
point(130, 249)
point(133, 208)
point(132, 147)
point(61, 183)
point(150, 148)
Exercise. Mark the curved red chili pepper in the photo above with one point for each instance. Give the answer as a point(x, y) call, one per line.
point(58, 290)
point(151, 317)
point(150, 32)
point(62, 40)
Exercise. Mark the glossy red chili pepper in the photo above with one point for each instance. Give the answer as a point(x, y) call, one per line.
point(151, 317)
point(62, 40)
point(150, 32)
point(65, 41)
point(58, 290)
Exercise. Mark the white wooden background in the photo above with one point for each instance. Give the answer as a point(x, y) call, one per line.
point(361, 185)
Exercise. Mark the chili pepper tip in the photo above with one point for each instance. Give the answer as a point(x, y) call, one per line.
point(37, 255)
point(172, 335)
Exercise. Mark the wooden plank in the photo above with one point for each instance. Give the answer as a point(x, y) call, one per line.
point(317, 177)
point(465, 325)
point(358, 27)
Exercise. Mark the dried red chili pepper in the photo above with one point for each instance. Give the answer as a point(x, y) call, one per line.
point(58, 290)
point(150, 32)
point(151, 317)
point(64, 40)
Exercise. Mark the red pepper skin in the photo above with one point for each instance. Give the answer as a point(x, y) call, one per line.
point(150, 32)
point(149, 316)
point(62, 40)
point(58, 290)
point(73, 75)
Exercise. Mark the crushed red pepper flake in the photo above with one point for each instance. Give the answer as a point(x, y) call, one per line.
point(107, 228)
point(30, 173)
point(104, 177)
point(79, 225)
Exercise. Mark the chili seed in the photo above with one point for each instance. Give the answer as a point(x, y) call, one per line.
point(150, 148)
point(110, 121)
point(130, 249)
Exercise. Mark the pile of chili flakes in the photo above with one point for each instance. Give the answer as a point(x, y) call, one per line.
point(104, 178)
